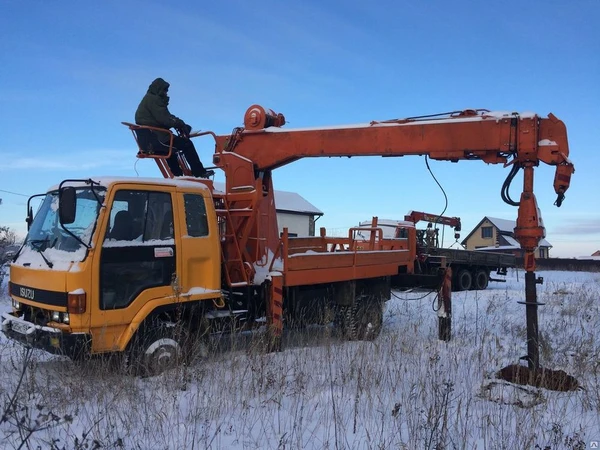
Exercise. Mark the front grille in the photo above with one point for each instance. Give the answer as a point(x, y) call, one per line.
point(36, 316)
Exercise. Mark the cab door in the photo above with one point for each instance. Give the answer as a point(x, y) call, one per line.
point(200, 252)
point(137, 261)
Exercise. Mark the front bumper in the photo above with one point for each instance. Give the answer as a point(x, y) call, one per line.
point(52, 340)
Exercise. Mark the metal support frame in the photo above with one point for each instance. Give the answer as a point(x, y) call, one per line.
point(445, 307)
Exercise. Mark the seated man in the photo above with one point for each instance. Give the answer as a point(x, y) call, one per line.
point(152, 111)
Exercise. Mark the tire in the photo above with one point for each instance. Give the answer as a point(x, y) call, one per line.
point(362, 321)
point(464, 280)
point(159, 351)
point(160, 346)
point(481, 280)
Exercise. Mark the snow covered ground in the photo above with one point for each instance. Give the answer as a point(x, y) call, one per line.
point(406, 390)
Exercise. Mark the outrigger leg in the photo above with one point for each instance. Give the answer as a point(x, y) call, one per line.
point(275, 313)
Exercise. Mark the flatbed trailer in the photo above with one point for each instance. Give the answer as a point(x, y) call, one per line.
point(472, 269)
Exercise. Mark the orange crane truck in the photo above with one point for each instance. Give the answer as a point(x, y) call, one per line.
point(136, 265)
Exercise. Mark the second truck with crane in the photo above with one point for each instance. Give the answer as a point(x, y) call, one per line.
point(471, 269)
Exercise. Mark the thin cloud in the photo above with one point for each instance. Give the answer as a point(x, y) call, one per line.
point(93, 159)
point(580, 227)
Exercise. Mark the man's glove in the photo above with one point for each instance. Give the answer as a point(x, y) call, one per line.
point(182, 128)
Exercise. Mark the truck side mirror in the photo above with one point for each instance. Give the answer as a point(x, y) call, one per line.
point(29, 218)
point(67, 205)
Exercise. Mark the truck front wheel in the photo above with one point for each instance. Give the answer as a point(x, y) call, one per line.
point(160, 355)
point(162, 345)
point(159, 348)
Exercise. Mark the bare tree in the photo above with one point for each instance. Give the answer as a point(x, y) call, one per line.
point(8, 238)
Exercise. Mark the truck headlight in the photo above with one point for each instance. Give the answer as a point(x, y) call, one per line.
point(55, 316)
point(16, 304)
point(66, 318)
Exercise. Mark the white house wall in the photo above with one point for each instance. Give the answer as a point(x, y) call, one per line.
point(295, 223)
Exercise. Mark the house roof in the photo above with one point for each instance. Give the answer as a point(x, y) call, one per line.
point(287, 202)
point(504, 225)
point(511, 241)
point(294, 202)
point(506, 228)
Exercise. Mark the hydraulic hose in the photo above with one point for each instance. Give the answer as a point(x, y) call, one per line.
point(505, 191)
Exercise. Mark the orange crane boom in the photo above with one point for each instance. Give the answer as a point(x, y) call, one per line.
point(521, 141)
point(518, 140)
point(417, 216)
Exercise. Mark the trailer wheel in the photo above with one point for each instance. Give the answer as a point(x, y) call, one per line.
point(361, 321)
point(481, 280)
point(464, 280)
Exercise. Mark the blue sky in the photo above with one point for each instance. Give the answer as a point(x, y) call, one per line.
point(72, 71)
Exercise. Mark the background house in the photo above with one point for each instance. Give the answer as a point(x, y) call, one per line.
point(296, 213)
point(497, 235)
point(293, 211)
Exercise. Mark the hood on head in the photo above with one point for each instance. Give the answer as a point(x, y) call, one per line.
point(158, 86)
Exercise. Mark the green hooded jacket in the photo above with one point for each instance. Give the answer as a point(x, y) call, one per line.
point(152, 110)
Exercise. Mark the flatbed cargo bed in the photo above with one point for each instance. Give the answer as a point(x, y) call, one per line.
point(323, 259)
point(475, 258)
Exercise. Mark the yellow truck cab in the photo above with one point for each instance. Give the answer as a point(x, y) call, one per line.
point(107, 256)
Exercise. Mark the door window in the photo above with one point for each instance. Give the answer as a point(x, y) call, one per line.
point(139, 247)
point(195, 215)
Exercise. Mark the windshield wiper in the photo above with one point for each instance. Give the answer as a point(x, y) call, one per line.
point(36, 244)
point(40, 243)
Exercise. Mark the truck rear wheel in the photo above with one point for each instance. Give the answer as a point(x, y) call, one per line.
point(363, 320)
point(464, 279)
point(481, 280)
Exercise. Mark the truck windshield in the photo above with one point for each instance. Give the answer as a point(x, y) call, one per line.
point(46, 232)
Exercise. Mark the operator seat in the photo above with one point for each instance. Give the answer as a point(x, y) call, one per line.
point(150, 146)
point(149, 142)
point(122, 229)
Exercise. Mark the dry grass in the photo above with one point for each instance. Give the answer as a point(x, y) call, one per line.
point(406, 390)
